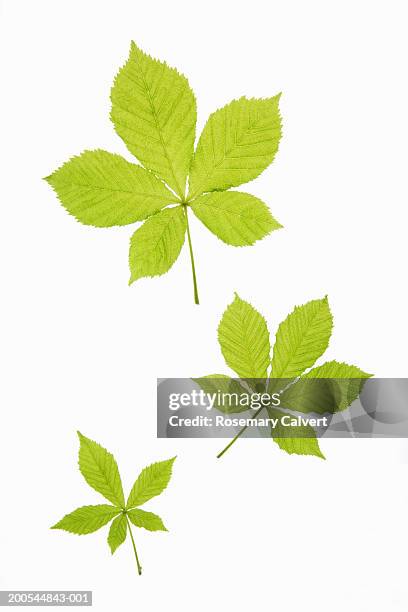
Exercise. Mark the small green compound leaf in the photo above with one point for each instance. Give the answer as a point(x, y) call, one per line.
point(103, 189)
point(154, 111)
point(117, 532)
point(297, 445)
point(147, 520)
point(237, 218)
point(244, 340)
point(87, 519)
point(151, 481)
point(100, 470)
point(301, 339)
point(238, 142)
point(155, 246)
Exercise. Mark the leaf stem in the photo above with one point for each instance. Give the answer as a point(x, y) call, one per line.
point(238, 434)
point(196, 300)
point(139, 567)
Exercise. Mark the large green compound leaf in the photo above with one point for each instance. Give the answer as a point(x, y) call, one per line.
point(100, 470)
point(87, 519)
point(237, 218)
point(151, 481)
point(244, 340)
point(301, 339)
point(238, 142)
point(155, 246)
point(154, 112)
point(102, 189)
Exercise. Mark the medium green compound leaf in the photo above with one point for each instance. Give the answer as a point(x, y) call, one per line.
point(154, 112)
point(100, 470)
point(151, 481)
point(308, 445)
point(301, 339)
point(237, 218)
point(238, 142)
point(147, 520)
point(87, 519)
point(156, 245)
point(244, 340)
point(103, 189)
point(117, 532)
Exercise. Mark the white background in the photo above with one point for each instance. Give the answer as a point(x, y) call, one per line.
point(81, 350)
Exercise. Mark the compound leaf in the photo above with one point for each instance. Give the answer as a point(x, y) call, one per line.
point(155, 246)
point(147, 520)
point(244, 340)
point(103, 189)
point(100, 470)
point(154, 112)
point(151, 481)
point(237, 218)
point(301, 339)
point(238, 142)
point(87, 519)
point(117, 532)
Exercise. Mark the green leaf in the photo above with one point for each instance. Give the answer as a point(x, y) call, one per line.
point(299, 446)
point(301, 339)
point(151, 481)
point(296, 445)
point(236, 218)
point(103, 189)
point(100, 470)
point(312, 395)
point(154, 111)
point(244, 340)
point(348, 381)
point(238, 142)
point(219, 383)
point(336, 369)
point(155, 246)
point(87, 519)
point(117, 532)
point(147, 520)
